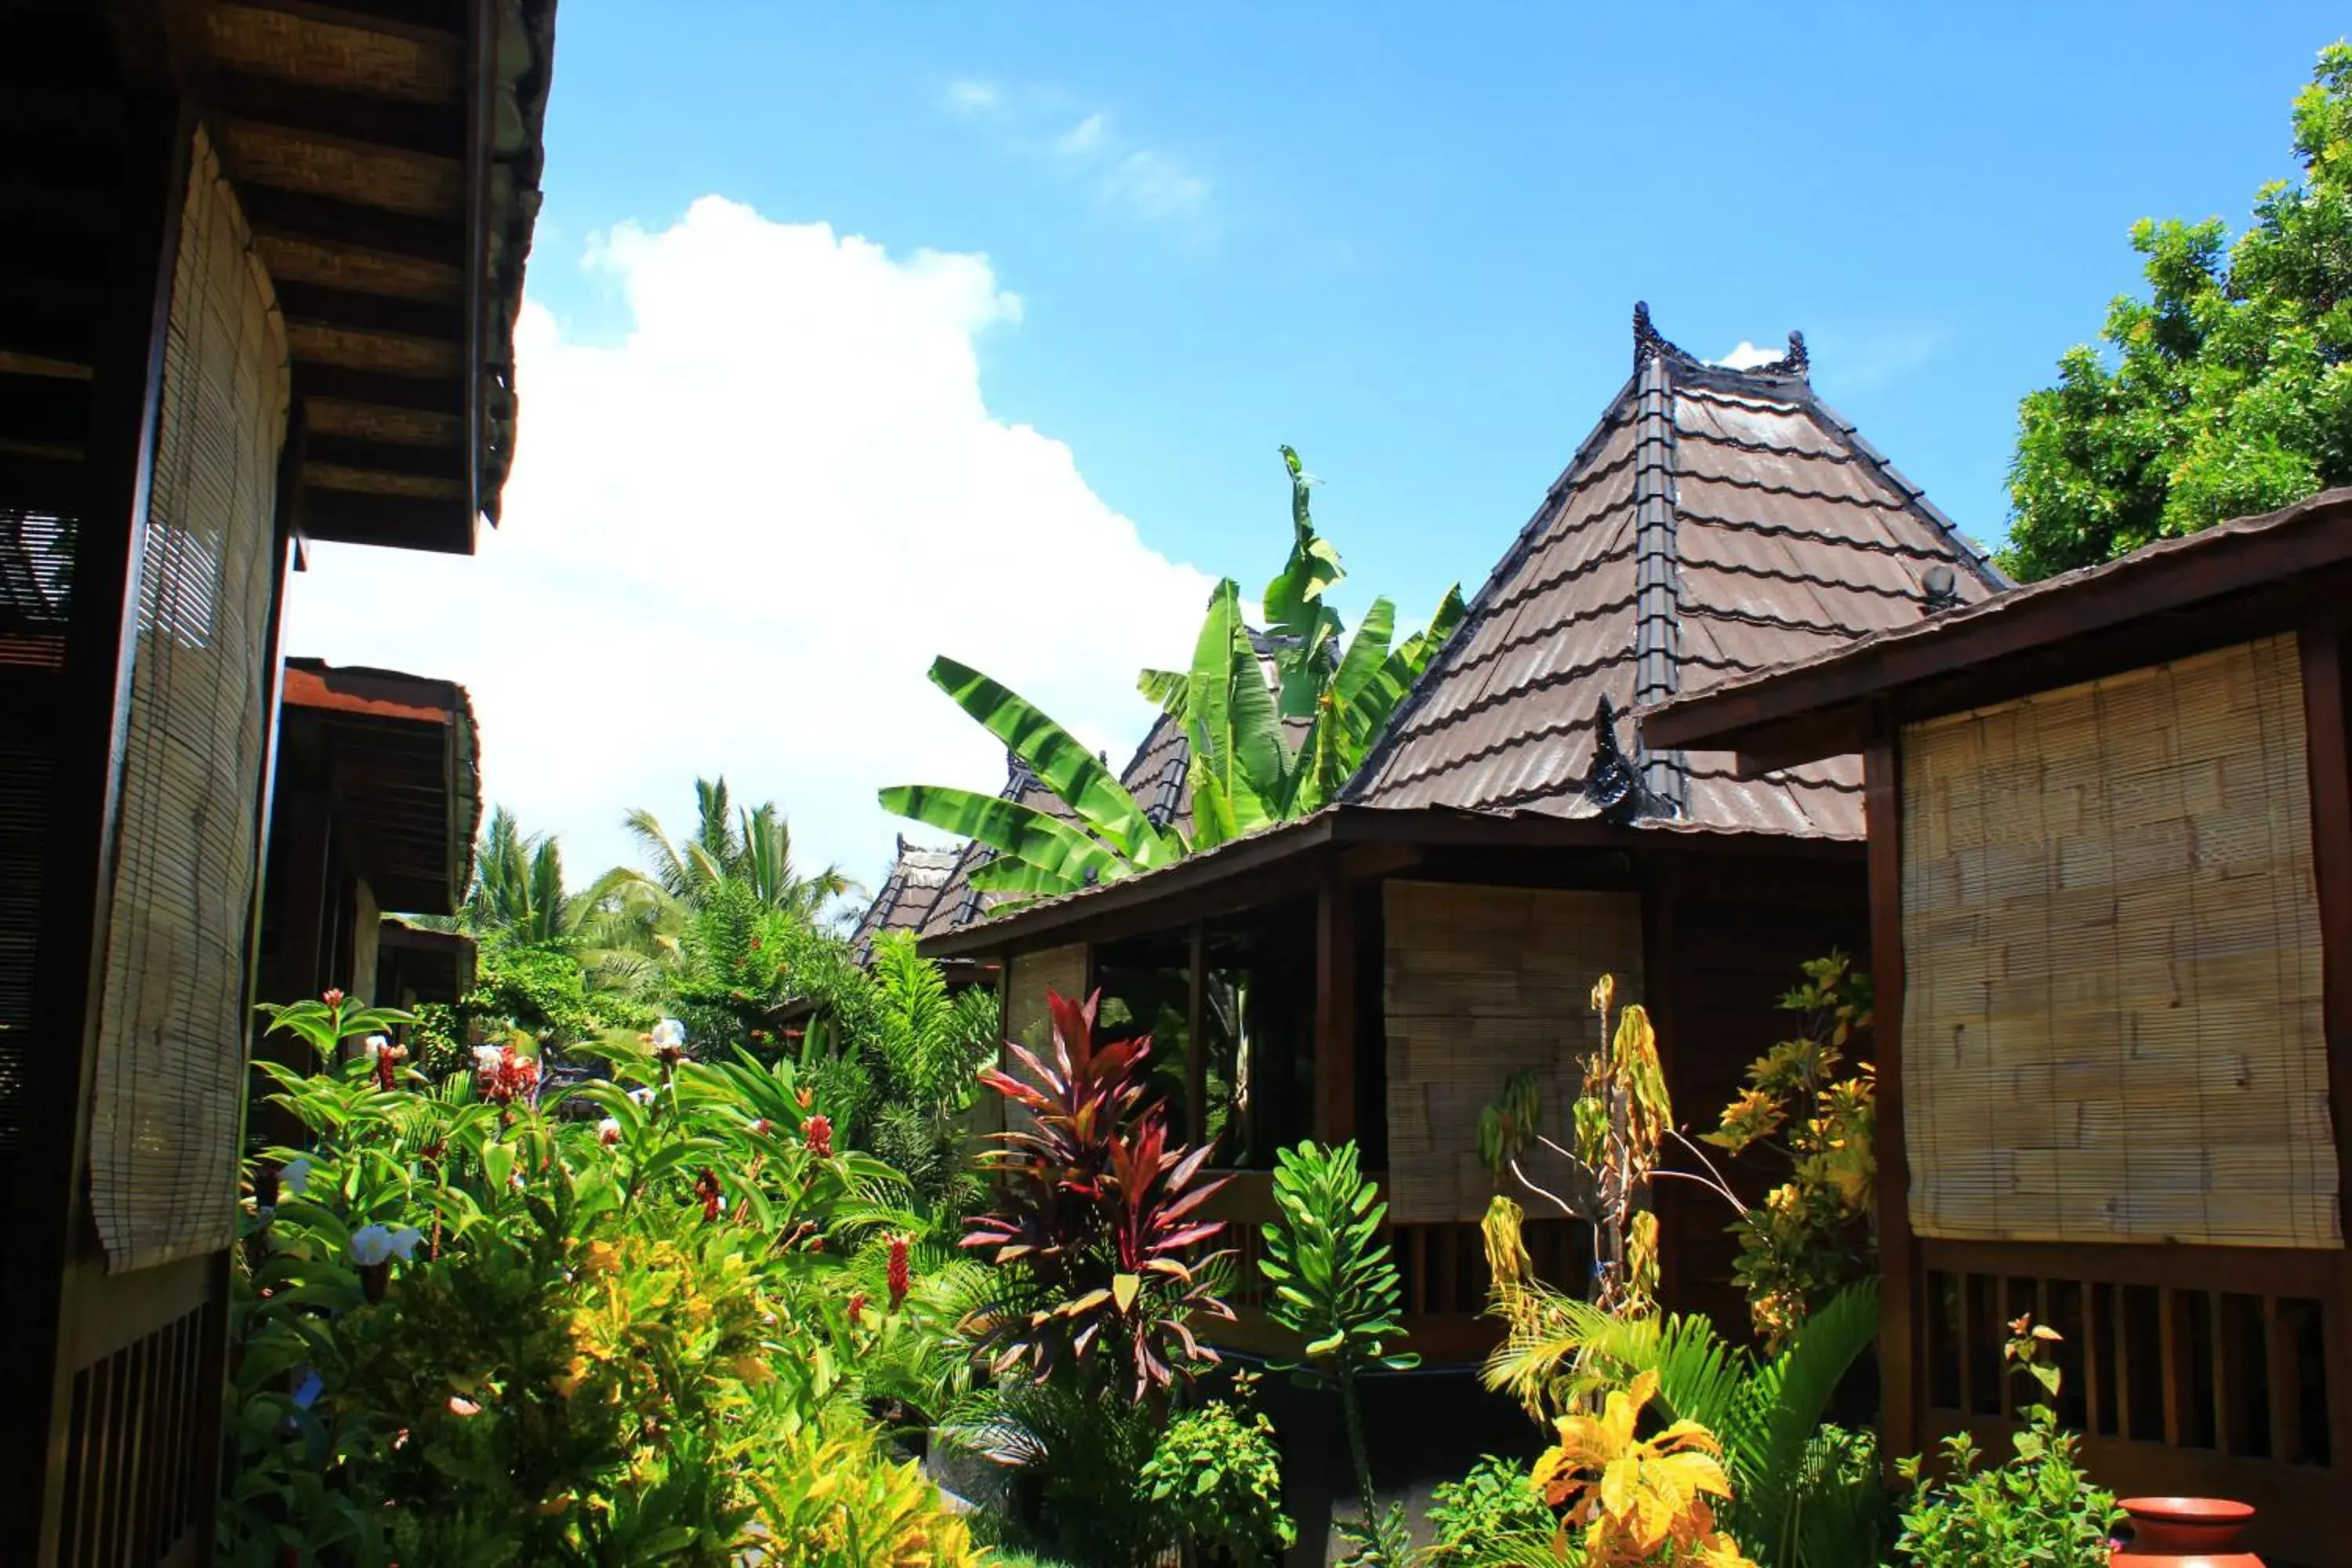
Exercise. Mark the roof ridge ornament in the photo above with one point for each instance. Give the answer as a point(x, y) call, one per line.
point(1614, 790)
point(1796, 361)
point(1649, 345)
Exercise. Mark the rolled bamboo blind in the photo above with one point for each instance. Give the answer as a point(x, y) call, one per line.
point(1482, 983)
point(2112, 1026)
point(1027, 977)
point(170, 1080)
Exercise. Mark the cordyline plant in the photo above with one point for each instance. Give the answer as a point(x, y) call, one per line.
point(1097, 1214)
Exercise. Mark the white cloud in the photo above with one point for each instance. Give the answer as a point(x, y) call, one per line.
point(1748, 356)
point(1148, 184)
point(735, 539)
point(1081, 140)
point(974, 97)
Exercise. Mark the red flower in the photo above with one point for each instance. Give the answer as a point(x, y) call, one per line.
point(818, 1131)
point(705, 1188)
point(756, 945)
point(857, 1309)
point(503, 1076)
point(902, 1273)
point(333, 998)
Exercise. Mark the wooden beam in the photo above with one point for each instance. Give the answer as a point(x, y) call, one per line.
point(408, 523)
point(2327, 743)
point(428, 21)
point(417, 394)
point(1902, 1384)
point(1334, 1007)
point(438, 319)
point(346, 117)
point(297, 215)
point(386, 456)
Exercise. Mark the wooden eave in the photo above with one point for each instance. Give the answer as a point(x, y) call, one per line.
point(2237, 580)
point(386, 158)
point(397, 755)
point(1289, 859)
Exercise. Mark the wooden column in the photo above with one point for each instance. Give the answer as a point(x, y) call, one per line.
point(1334, 1007)
point(1659, 986)
point(1196, 1043)
point(48, 1222)
point(1902, 1375)
point(2328, 754)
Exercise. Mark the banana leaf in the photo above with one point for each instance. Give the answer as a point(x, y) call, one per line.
point(1023, 832)
point(1061, 762)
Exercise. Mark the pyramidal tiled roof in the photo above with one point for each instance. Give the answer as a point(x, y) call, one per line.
point(1715, 522)
point(914, 882)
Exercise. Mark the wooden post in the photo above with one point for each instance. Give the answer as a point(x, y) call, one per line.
point(1196, 1043)
point(1659, 985)
point(2328, 754)
point(1901, 1380)
point(47, 1219)
point(1334, 1007)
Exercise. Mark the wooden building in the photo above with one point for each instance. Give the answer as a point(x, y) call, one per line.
point(2110, 840)
point(263, 269)
point(1375, 970)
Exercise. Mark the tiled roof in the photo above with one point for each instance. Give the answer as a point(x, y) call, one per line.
point(1714, 523)
point(905, 902)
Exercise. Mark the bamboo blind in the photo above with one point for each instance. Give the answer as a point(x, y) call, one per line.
point(1482, 983)
point(2112, 1026)
point(1027, 977)
point(170, 1077)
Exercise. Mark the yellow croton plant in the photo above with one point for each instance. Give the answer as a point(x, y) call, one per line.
point(1634, 1502)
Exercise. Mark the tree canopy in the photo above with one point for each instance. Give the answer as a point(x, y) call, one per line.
point(2226, 391)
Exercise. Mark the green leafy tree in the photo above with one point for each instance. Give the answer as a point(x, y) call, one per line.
point(751, 845)
point(2227, 391)
point(1335, 1286)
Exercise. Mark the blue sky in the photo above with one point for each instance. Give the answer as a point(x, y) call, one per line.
point(1405, 240)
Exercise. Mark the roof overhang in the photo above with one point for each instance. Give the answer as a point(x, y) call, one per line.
point(1283, 859)
point(396, 756)
point(2251, 577)
point(386, 156)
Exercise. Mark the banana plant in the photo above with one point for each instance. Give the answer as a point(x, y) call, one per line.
point(1038, 854)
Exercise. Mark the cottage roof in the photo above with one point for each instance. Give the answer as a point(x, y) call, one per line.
point(2247, 578)
point(398, 756)
point(1715, 522)
point(907, 892)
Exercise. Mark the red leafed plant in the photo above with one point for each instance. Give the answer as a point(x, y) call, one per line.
point(1097, 1215)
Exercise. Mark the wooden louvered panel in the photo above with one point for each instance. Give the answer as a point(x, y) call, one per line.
point(140, 1473)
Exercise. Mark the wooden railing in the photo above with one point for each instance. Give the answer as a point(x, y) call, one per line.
point(1443, 1269)
point(2207, 1371)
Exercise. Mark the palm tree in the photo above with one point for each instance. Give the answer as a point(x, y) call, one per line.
point(518, 892)
point(752, 845)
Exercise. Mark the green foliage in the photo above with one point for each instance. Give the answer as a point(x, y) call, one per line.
point(2228, 389)
point(467, 1327)
point(1081, 1452)
point(1335, 1286)
point(2036, 1506)
point(1810, 1238)
point(1795, 1503)
point(1493, 1512)
point(1216, 1482)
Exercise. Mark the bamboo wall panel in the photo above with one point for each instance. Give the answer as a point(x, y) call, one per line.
point(2112, 1026)
point(1027, 1022)
point(1482, 982)
point(165, 1107)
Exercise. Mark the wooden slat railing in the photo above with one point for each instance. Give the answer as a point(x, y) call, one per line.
point(1443, 1268)
point(2188, 1370)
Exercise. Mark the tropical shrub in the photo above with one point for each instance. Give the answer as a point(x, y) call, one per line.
point(2036, 1506)
point(1628, 1501)
point(1811, 1236)
point(1496, 1512)
point(468, 1330)
point(1215, 1481)
point(1094, 1220)
point(1335, 1286)
point(1800, 1496)
point(1617, 1127)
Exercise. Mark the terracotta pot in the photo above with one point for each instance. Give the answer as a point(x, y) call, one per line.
point(2185, 1532)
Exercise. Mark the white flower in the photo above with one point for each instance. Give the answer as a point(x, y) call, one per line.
point(642, 1094)
point(376, 1046)
point(609, 1130)
point(294, 1177)
point(669, 1034)
point(375, 1244)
